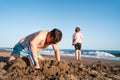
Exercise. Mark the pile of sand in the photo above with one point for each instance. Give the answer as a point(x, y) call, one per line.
point(22, 69)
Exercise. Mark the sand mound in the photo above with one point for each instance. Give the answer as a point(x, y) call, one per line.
point(22, 69)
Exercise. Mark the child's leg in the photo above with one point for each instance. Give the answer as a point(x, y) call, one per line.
point(76, 54)
point(79, 54)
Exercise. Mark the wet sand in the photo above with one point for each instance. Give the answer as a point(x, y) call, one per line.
point(67, 69)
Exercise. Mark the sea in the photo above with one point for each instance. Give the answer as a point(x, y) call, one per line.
point(101, 54)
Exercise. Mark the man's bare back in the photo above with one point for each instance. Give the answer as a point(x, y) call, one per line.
point(40, 36)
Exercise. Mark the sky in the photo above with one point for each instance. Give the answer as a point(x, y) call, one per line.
point(99, 21)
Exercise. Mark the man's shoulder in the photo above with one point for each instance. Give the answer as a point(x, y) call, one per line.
point(43, 32)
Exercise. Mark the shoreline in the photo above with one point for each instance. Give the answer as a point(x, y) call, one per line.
point(7, 54)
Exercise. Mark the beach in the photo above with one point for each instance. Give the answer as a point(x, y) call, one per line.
point(66, 69)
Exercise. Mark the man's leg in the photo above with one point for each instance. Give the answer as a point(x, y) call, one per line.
point(12, 58)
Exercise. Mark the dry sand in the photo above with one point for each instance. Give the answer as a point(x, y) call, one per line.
point(67, 69)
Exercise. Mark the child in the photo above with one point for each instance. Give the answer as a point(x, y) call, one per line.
point(76, 41)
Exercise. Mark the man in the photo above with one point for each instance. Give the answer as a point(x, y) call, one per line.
point(36, 42)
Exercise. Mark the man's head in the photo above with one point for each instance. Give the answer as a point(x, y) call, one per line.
point(56, 34)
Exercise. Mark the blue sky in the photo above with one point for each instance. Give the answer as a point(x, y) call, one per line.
point(99, 21)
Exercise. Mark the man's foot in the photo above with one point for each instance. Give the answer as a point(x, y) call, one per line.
point(10, 62)
point(12, 59)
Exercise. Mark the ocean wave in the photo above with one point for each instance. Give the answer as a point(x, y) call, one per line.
point(99, 54)
point(102, 54)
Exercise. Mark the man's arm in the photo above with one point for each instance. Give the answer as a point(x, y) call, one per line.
point(56, 51)
point(33, 46)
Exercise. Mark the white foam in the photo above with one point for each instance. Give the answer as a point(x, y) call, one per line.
point(96, 54)
point(99, 54)
point(90, 54)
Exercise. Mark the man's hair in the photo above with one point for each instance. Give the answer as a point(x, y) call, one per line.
point(57, 34)
point(77, 29)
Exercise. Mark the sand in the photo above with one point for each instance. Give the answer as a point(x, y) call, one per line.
point(67, 69)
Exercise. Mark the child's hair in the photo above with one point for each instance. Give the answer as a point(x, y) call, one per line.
point(77, 29)
point(57, 35)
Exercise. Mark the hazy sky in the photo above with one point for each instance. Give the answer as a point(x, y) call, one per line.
point(99, 21)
